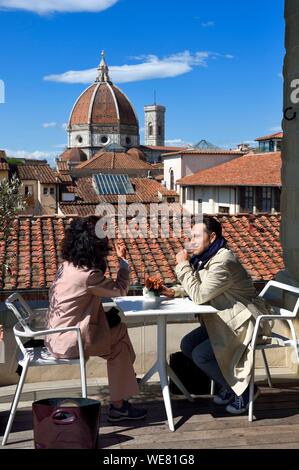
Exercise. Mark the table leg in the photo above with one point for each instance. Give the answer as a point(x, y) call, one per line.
point(178, 383)
point(162, 368)
point(149, 374)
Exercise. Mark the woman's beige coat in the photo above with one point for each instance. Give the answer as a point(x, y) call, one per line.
point(225, 285)
point(75, 299)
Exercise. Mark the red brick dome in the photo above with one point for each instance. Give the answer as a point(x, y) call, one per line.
point(103, 103)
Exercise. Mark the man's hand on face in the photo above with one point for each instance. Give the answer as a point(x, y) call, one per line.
point(182, 256)
point(121, 251)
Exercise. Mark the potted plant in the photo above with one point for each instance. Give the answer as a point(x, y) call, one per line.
point(153, 286)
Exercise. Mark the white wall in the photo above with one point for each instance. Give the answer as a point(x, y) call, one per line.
point(212, 197)
point(174, 163)
point(185, 165)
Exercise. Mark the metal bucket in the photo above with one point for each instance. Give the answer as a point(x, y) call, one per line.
point(66, 423)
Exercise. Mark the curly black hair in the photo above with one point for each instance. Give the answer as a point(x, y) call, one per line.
point(82, 247)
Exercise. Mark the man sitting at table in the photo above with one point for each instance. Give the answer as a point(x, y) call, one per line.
point(75, 300)
point(220, 346)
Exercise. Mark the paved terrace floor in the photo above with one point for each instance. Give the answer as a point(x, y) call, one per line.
point(198, 425)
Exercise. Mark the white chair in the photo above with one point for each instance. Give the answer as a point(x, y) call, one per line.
point(278, 341)
point(36, 356)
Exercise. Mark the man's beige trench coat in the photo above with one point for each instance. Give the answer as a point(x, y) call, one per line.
point(226, 286)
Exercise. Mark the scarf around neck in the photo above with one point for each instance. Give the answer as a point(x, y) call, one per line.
point(198, 262)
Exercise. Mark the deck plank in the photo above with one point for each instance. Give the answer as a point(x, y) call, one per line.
point(199, 425)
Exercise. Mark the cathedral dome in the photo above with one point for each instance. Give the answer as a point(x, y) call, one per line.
point(103, 103)
point(106, 113)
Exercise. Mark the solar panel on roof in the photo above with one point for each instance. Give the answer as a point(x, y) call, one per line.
point(113, 184)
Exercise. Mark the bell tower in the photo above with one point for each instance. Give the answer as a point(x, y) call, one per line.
point(154, 133)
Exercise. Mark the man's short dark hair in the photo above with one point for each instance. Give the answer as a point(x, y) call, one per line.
point(212, 225)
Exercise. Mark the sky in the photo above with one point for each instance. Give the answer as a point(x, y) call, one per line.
point(216, 66)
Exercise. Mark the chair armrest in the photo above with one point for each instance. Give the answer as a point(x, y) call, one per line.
point(260, 318)
point(46, 332)
point(279, 285)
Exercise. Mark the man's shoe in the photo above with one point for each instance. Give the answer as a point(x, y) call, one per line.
point(241, 404)
point(224, 397)
point(126, 412)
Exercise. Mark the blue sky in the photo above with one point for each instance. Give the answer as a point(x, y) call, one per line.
point(216, 66)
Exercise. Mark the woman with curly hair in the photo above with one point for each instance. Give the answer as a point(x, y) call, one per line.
point(75, 300)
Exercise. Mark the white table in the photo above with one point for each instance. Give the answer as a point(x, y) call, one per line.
point(162, 307)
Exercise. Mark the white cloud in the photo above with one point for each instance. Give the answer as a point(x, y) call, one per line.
point(35, 155)
point(59, 146)
point(208, 24)
point(152, 67)
point(46, 125)
point(50, 6)
point(275, 129)
point(177, 143)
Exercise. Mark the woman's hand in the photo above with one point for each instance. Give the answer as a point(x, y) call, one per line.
point(182, 256)
point(168, 292)
point(121, 250)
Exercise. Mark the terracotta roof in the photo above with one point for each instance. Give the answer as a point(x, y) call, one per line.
point(136, 152)
point(146, 191)
point(103, 103)
point(262, 169)
point(254, 239)
point(114, 160)
point(39, 172)
point(198, 152)
point(158, 166)
point(62, 166)
point(277, 135)
point(73, 155)
point(64, 178)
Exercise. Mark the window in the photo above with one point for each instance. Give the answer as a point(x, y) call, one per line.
point(246, 199)
point(263, 199)
point(150, 130)
point(223, 210)
point(128, 140)
point(104, 139)
point(28, 190)
point(171, 179)
point(276, 197)
point(159, 130)
point(79, 139)
point(279, 145)
point(45, 191)
point(271, 146)
point(52, 191)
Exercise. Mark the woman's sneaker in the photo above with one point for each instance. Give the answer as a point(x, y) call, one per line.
point(127, 411)
point(224, 397)
point(241, 404)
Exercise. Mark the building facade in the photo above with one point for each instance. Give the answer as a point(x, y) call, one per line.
point(248, 184)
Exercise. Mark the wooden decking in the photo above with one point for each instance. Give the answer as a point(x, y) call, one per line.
point(199, 425)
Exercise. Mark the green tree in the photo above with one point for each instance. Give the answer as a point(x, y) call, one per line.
point(12, 202)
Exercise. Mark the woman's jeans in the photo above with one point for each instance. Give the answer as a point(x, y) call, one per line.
point(197, 346)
